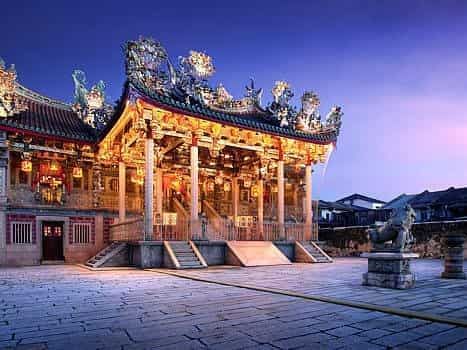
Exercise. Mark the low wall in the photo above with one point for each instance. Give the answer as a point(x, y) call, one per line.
point(213, 252)
point(287, 248)
point(352, 241)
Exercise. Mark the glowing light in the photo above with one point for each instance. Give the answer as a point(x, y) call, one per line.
point(26, 166)
point(54, 166)
point(77, 172)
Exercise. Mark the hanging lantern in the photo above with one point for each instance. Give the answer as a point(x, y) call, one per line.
point(226, 186)
point(254, 191)
point(26, 165)
point(54, 166)
point(247, 183)
point(140, 172)
point(219, 180)
point(77, 172)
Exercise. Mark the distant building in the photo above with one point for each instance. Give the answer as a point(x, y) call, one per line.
point(354, 210)
point(434, 206)
point(359, 200)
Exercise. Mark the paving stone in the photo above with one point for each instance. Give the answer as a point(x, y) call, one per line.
point(67, 307)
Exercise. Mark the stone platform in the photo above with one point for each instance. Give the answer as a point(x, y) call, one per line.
point(389, 270)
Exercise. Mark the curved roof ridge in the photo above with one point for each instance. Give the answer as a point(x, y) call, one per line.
point(23, 91)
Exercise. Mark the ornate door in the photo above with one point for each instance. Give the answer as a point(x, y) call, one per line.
point(52, 240)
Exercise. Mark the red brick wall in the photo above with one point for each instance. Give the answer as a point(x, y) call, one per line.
point(82, 219)
point(106, 230)
point(23, 218)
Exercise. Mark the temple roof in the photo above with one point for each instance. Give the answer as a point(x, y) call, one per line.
point(254, 121)
point(43, 116)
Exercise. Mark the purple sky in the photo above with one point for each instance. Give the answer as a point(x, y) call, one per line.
point(398, 68)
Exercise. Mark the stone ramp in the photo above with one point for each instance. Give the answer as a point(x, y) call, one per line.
point(254, 253)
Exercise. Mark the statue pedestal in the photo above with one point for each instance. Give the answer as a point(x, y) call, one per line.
point(454, 259)
point(389, 270)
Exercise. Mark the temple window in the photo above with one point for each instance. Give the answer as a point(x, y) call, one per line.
point(81, 233)
point(21, 232)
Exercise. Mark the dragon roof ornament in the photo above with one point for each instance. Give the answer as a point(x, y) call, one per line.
point(148, 65)
point(10, 101)
point(90, 105)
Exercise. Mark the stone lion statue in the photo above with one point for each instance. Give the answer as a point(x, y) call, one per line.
point(397, 231)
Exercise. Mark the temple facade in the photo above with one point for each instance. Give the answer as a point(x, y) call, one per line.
point(174, 160)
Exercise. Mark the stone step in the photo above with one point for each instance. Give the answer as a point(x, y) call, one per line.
point(190, 264)
point(187, 258)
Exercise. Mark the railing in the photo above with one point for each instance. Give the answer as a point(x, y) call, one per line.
point(133, 230)
point(179, 232)
point(226, 230)
point(127, 231)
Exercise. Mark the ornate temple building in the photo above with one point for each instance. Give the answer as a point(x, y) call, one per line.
point(174, 160)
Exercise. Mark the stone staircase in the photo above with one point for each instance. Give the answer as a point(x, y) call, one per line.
point(106, 255)
point(184, 255)
point(316, 252)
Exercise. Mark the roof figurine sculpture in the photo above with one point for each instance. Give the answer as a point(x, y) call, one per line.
point(149, 70)
point(90, 105)
point(10, 103)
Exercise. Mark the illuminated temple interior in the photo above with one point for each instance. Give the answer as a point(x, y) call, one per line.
point(174, 160)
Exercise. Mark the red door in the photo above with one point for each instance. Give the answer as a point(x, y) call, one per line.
point(52, 240)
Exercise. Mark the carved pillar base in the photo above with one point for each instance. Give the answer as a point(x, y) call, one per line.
point(389, 270)
point(454, 259)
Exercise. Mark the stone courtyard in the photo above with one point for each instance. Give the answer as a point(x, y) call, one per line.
point(69, 307)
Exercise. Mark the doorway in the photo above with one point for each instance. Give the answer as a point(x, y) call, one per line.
point(52, 240)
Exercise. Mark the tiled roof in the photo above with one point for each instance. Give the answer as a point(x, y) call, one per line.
point(48, 117)
point(453, 196)
point(252, 122)
point(399, 201)
point(426, 198)
point(362, 197)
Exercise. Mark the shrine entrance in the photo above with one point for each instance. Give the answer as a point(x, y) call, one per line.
point(52, 240)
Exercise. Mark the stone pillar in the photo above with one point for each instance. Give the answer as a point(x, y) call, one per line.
point(280, 197)
point(4, 183)
point(308, 202)
point(194, 186)
point(121, 191)
point(97, 185)
point(149, 187)
point(454, 259)
point(260, 206)
point(235, 199)
point(159, 191)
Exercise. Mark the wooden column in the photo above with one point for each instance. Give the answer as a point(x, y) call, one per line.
point(235, 198)
point(308, 202)
point(149, 184)
point(280, 196)
point(121, 191)
point(194, 185)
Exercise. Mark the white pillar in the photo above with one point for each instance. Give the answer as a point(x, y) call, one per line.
point(194, 186)
point(121, 191)
point(260, 205)
point(149, 188)
point(280, 196)
point(308, 202)
point(235, 198)
point(159, 191)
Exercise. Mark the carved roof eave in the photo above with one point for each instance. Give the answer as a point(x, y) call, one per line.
point(241, 121)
